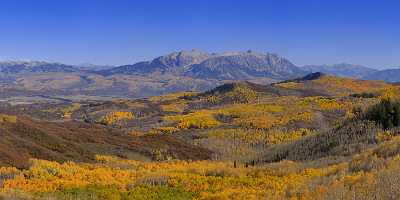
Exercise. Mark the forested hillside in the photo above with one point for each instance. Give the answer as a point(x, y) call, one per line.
point(315, 137)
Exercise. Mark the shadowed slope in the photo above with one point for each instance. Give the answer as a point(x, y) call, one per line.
point(79, 141)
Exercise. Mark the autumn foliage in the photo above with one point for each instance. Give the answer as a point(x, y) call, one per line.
point(114, 117)
point(8, 118)
point(326, 138)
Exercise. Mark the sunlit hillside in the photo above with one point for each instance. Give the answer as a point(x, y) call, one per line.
point(317, 137)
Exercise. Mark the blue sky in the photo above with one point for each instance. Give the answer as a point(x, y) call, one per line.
point(123, 31)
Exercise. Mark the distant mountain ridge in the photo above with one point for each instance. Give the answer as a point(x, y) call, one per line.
point(341, 69)
point(388, 75)
point(23, 67)
point(178, 71)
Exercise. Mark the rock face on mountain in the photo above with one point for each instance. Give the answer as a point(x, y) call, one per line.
point(388, 75)
point(342, 69)
point(27, 67)
point(167, 63)
point(181, 59)
point(244, 65)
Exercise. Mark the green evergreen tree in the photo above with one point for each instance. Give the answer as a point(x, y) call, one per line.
point(385, 113)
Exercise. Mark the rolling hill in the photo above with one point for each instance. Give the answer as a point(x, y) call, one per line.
point(328, 85)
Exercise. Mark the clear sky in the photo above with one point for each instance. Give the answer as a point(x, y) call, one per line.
point(125, 31)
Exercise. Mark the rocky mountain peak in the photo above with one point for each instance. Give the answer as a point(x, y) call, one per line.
point(181, 59)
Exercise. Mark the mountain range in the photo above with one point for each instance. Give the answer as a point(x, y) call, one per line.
point(177, 71)
point(225, 66)
point(388, 75)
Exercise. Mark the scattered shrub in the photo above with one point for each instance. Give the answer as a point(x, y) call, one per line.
point(8, 118)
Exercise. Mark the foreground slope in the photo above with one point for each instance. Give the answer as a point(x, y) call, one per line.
point(77, 141)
